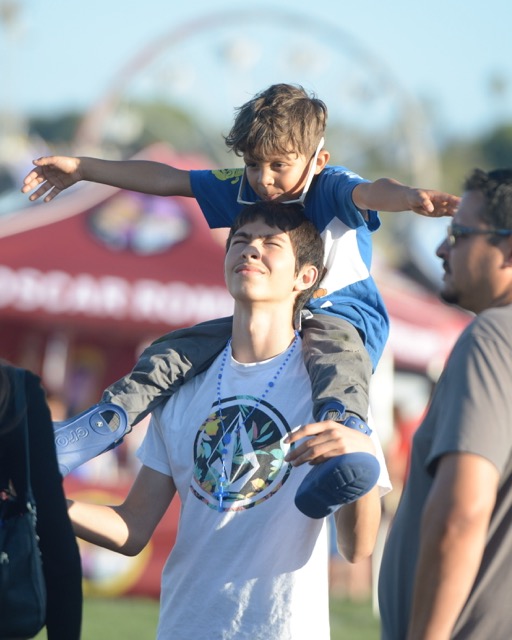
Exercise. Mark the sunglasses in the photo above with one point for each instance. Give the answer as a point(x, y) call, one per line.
point(301, 198)
point(456, 231)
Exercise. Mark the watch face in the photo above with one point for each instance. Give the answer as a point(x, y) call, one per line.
point(139, 223)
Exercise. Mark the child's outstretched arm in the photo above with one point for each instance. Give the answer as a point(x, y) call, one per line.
point(386, 194)
point(53, 174)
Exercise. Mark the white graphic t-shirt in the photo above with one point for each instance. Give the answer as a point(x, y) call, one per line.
point(254, 566)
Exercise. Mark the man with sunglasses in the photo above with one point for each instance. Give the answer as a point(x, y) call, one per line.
point(446, 565)
point(280, 136)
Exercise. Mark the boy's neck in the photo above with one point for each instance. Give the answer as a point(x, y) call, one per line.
point(258, 337)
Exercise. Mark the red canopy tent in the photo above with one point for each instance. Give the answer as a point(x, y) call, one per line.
point(104, 271)
point(423, 329)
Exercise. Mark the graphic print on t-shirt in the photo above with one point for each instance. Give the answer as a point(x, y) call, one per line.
point(246, 436)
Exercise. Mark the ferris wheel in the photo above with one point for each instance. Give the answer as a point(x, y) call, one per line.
point(211, 65)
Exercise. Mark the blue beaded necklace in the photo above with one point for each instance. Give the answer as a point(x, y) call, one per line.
point(223, 480)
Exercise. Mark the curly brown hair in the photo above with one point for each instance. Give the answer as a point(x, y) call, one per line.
point(282, 119)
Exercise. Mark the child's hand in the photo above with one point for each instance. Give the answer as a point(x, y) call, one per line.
point(54, 174)
point(325, 440)
point(434, 204)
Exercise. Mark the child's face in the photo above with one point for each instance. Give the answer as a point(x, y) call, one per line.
point(282, 177)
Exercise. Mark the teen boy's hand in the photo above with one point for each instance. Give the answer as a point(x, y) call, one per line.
point(326, 439)
point(357, 524)
point(54, 174)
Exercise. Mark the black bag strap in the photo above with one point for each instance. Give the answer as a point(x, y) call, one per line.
point(19, 436)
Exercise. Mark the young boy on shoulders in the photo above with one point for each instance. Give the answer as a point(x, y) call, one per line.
point(280, 135)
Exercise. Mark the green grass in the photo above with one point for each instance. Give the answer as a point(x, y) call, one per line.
point(113, 618)
point(353, 621)
point(136, 619)
point(127, 618)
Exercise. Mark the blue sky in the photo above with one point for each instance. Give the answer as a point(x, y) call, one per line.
point(64, 54)
point(367, 59)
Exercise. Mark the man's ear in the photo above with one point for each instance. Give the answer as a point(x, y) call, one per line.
point(306, 278)
point(322, 160)
point(507, 262)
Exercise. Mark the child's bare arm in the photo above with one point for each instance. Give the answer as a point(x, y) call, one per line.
point(53, 174)
point(386, 194)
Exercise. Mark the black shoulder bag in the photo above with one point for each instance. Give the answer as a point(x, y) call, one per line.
point(22, 586)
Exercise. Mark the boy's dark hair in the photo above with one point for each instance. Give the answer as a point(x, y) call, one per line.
point(305, 238)
point(282, 119)
point(496, 187)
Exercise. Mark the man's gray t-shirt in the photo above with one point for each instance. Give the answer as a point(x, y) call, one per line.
point(470, 411)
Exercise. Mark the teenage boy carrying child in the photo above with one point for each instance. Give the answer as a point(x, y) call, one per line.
point(246, 563)
point(280, 135)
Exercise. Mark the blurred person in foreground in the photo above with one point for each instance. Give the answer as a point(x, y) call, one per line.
point(59, 550)
point(446, 565)
point(234, 443)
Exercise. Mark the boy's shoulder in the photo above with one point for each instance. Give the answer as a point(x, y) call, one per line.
point(233, 175)
point(334, 186)
point(330, 198)
point(341, 172)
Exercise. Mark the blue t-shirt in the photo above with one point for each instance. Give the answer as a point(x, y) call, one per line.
point(347, 289)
